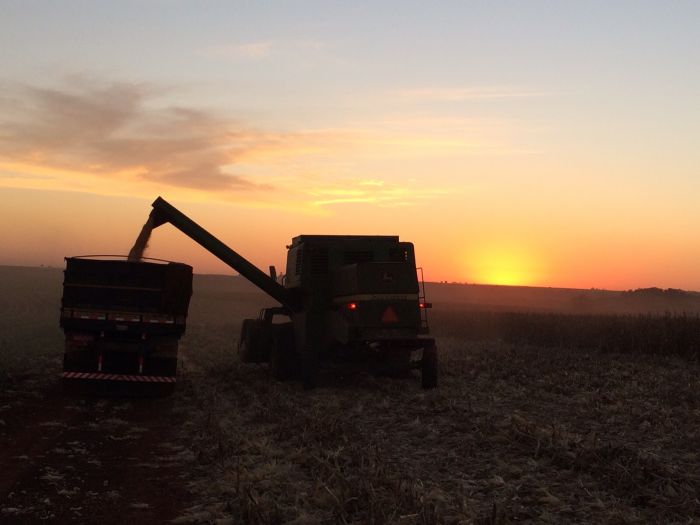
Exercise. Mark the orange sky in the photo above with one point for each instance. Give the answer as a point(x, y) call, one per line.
point(556, 148)
point(48, 225)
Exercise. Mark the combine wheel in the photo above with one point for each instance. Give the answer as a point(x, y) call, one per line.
point(309, 370)
point(248, 342)
point(429, 366)
point(283, 358)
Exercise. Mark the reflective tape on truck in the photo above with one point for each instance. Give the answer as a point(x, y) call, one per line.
point(89, 314)
point(118, 377)
point(158, 319)
point(125, 317)
point(122, 317)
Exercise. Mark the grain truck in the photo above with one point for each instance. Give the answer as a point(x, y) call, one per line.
point(123, 320)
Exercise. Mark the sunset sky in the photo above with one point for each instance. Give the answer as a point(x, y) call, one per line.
point(537, 143)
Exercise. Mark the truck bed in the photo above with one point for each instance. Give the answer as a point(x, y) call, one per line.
point(123, 319)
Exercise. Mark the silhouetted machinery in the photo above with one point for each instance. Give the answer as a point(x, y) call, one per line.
point(343, 295)
point(123, 321)
point(348, 296)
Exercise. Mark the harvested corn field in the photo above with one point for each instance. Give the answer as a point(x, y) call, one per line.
point(514, 433)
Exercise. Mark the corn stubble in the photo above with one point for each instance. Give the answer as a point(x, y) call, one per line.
point(516, 432)
point(541, 418)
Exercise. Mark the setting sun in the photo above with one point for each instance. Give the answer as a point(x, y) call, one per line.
point(505, 265)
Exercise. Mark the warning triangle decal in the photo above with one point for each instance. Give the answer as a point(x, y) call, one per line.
point(389, 316)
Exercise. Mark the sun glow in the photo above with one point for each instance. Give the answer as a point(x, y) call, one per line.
point(512, 266)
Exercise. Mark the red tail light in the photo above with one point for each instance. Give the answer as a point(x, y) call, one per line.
point(352, 306)
point(425, 305)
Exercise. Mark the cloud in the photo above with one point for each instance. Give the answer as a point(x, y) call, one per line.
point(115, 132)
point(118, 138)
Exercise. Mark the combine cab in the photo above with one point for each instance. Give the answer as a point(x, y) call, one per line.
point(123, 321)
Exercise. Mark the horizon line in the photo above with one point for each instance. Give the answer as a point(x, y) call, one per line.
point(449, 283)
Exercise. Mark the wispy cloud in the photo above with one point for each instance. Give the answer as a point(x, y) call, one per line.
point(114, 132)
point(121, 138)
point(116, 138)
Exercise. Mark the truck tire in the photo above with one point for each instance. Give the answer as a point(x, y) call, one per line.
point(429, 367)
point(161, 356)
point(283, 359)
point(72, 361)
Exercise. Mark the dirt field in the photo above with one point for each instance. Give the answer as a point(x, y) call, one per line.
point(76, 459)
point(513, 434)
point(87, 460)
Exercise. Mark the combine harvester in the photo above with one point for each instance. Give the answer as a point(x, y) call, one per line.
point(346, 296)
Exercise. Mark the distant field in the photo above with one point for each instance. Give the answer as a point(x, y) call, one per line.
point(30, 302)
point(536, 419)
point(30, 299)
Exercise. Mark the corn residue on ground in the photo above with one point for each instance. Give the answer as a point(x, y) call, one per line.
point(512, 434)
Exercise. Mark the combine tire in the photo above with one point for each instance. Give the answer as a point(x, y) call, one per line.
point(283, 359)
point(429, 367)
point(249, 342)
point(309, 370)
